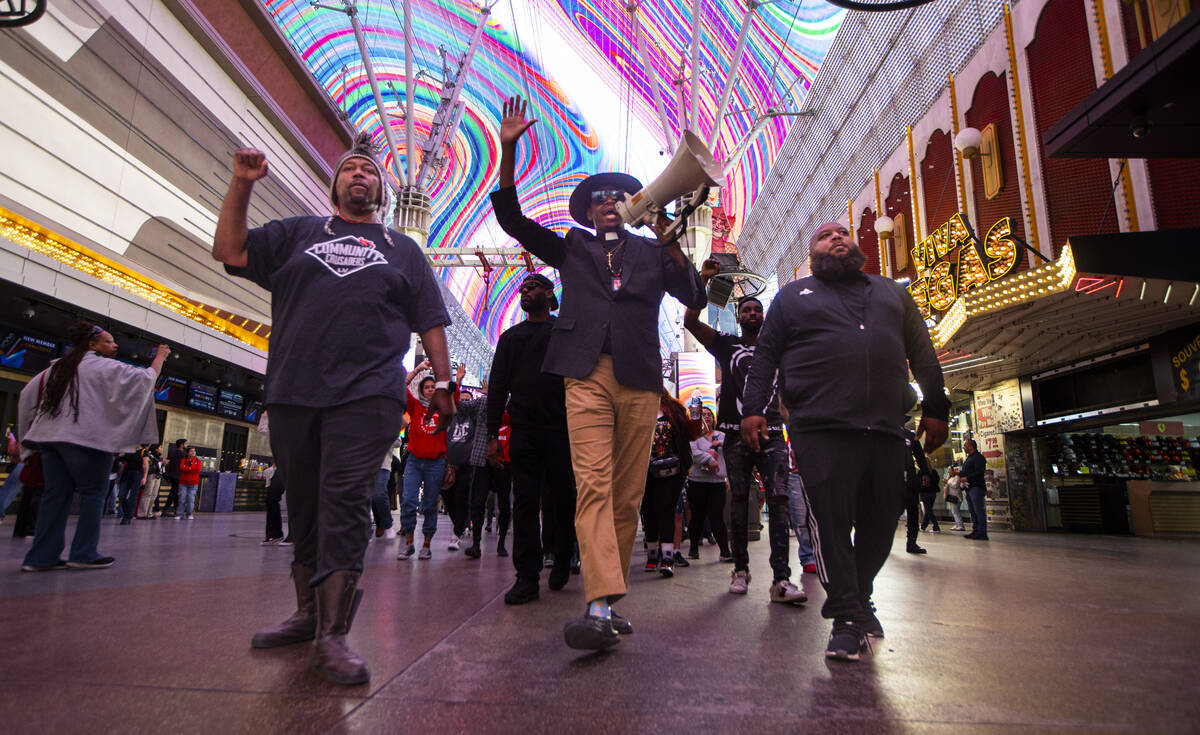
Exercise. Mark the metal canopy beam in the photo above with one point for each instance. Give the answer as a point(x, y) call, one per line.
point(734, 68)
point(351, 10)
point(693, 117)
point(651, 77)
point(450, 109)
point(410, 85)
point(469, 258)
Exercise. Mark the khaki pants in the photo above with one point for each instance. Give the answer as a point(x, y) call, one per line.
point(611, 429)
point(149, 493)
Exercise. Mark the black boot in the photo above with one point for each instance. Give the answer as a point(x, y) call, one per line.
point(523, 591)
point(338, 597)
point(559, 573)
point(302, 626)
point(473, 551)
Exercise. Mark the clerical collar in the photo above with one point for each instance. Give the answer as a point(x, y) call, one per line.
point(612, 236)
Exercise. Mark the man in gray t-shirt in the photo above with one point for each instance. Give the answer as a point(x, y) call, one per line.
point(346, 294)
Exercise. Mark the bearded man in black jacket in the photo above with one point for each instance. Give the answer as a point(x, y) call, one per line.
point(842, 342)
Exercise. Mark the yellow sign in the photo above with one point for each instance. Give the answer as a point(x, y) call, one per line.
point(942, 279)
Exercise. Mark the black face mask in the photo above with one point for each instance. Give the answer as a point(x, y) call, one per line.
point(830, 267)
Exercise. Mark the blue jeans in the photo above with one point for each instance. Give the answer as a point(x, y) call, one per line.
point(379, 501)
point(977, 502)
point(186, 505)
point(70, 469)
point(417, 472)
point(12, 486)
point(798, 508)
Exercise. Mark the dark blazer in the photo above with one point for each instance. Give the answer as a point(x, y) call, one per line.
point(590, 306)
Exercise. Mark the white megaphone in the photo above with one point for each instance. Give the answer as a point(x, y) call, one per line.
point(691, 169)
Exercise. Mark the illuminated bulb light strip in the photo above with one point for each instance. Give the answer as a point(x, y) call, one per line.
point(1051, 278)
point(64, 251)
point(949, 324)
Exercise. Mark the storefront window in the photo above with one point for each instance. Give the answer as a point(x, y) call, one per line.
point(1083, 473)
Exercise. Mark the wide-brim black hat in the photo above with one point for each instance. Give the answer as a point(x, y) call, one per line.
point(582, 196)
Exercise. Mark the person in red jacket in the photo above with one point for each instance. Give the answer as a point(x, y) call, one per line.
point(426, 463)
point(189, 481)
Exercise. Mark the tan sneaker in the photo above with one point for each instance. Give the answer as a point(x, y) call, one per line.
point(739, 582)
point(786, 592)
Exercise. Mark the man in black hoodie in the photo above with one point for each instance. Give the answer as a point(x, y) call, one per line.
point(540, 448)
point(842, 343)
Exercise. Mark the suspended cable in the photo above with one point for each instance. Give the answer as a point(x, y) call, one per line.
point(782, 48)
point(528, 93)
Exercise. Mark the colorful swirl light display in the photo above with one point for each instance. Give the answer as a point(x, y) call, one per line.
point(576, 62)
point(698, 375)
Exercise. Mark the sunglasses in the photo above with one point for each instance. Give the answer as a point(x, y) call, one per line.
point(599, 196)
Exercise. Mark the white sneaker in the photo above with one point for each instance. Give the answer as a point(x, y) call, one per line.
point(739, 583)
point(389, 533)
point(424, 553)
point(786, 592)
point(455, 544)
point(191, 518)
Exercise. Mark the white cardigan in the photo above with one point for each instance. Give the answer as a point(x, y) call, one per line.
point(116, 409)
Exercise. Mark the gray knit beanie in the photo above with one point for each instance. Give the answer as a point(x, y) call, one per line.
point(363, 148)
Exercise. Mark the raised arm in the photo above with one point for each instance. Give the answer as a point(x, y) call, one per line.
point(512, 126)
point(703, 333)
point(679, 275)
point(229, 243)
point(413, 373)
point(160, 356)
point(542, 242)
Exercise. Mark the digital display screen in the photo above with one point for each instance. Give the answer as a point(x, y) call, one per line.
point(202, 396)
point(229, 403)
point(169, 389)
point(253, 411)
point(24, 352)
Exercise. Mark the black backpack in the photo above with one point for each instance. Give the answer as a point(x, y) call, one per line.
point(459, 438)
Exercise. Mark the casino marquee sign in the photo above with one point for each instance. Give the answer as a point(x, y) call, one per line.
point(951, 262)
point(1146, 275)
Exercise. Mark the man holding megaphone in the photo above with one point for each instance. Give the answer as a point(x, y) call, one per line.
point(605, 346)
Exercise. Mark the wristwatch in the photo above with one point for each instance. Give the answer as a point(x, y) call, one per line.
point(442, 385)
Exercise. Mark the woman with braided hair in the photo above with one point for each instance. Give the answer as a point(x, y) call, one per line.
point(78, 413)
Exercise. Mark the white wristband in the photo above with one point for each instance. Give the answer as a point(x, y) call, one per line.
point(442, 385)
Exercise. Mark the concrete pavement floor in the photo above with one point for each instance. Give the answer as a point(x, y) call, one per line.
point(1024, 633)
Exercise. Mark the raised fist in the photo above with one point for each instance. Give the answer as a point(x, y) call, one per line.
point(249, 164)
